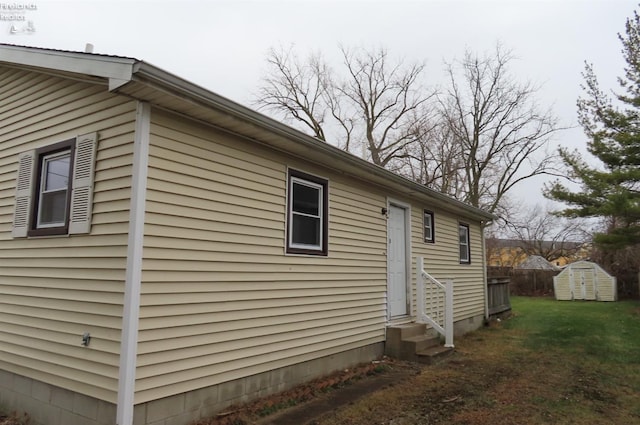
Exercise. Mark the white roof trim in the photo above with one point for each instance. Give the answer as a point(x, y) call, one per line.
point(117, 70)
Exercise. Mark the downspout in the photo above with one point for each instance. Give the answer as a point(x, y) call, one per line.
point(133, 274)
point(483, 225)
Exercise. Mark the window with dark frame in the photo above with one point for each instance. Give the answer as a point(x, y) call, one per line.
point(465, 251)
point(52, 189)
point(429, 233)
point(307, 214)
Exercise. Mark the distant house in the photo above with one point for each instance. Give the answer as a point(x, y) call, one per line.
point(167, 252)
point(536, 262)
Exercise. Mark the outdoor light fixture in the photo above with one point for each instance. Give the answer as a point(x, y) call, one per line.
point(86, 339)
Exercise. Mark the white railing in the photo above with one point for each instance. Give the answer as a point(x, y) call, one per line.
point(435, 303)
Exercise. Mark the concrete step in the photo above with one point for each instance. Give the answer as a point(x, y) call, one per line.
point(406, 330)
point(434, 354)
point(419, 343)
point(412, 342)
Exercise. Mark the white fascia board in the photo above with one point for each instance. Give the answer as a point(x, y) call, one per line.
point(118, 69)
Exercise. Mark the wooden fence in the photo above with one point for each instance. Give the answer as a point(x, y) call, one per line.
point(526, 282)
point(498, 295)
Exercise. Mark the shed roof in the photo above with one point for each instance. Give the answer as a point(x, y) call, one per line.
point(536, 262)
point(145, 82)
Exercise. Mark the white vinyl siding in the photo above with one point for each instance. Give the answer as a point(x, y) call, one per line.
point(220, 299)
point(52, 290)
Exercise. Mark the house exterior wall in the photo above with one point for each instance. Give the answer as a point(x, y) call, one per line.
point(53, 289)
point(220, 299)
point(221, 302)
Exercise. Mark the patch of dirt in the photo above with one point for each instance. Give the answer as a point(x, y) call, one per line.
point(308, 403)
point(14, 419)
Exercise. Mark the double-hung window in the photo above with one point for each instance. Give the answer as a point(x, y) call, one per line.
point(307, 212)
point(429, 234)
point(465, 251)
point(54, 188)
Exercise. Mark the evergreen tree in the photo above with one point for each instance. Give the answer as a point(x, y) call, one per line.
point(612, 124)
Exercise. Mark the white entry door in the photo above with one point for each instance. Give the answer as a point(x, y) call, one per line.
point(397, 261)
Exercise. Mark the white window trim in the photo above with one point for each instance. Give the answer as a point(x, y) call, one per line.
point(319, 217)
point(431, 215)
point(43, 177)
point(467, 244)
point(300, 249)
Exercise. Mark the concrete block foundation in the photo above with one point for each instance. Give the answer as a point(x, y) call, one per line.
point(50, 405)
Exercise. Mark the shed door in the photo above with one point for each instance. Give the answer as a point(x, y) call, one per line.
point(584, 282)
point(591, 291)
point(397, 262)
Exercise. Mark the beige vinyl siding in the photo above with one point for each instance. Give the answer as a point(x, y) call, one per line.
point(442, 260)
point(606, 285)
point(54, 289)
point(598, 284)
point(220, 299)
point(562, 285)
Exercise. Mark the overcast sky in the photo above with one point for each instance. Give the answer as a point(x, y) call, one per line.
point(221, 45)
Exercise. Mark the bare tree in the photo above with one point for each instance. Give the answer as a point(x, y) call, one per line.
point(502, 133)
point(435, 160)
point(475, 141)
point(539, 232)
point(378, 106)
point(300, 90)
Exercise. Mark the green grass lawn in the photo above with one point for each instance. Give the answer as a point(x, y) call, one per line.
point(605, 333)
point(553, 362)
point(593, 352)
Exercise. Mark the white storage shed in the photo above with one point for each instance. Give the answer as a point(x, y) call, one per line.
point(585, 280)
